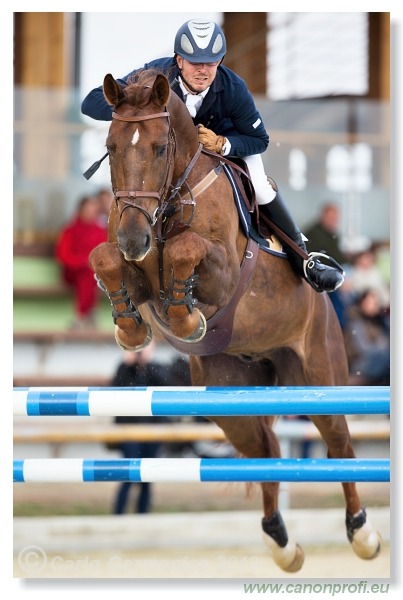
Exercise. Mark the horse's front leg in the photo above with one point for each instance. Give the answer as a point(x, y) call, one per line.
point(131, 331)
point(185, 253)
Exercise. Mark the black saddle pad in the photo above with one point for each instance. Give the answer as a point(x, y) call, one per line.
point(245, 216)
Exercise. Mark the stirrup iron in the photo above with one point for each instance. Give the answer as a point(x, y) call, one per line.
point(310, 263)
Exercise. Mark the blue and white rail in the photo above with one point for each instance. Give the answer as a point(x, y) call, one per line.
point(200, 401)
point(201, 469)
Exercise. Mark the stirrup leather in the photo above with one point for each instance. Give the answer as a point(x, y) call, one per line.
point(310, 262)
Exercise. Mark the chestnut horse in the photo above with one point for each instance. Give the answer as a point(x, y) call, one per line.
point(173, 265)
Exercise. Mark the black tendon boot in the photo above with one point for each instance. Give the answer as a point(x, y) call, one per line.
point(322, 277)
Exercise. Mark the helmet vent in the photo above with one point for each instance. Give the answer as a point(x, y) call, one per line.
point(218, 44)
point(186, 44)
point(202, 32)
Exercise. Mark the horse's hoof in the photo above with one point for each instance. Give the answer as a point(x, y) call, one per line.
point(199, 333)
point(147, 341)
point(298, 561)
point(290, 558)
point(367, 542)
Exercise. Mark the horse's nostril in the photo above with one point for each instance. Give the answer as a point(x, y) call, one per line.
point(134, 246)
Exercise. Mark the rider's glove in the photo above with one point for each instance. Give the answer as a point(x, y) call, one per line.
point(210, 140)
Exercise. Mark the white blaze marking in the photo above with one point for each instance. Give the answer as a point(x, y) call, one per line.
point(136, 136)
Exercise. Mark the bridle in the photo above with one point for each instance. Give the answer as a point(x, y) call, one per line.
point(127, 198)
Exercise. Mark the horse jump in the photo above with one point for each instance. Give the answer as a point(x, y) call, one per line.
point(184, 401)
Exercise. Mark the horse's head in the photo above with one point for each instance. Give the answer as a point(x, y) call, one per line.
point(141, 147)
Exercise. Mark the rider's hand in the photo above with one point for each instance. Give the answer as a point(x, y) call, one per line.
point(210, 140)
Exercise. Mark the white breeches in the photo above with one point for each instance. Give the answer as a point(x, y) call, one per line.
point(263, 189)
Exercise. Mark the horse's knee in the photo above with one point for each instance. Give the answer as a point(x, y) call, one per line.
point(187, 252)
point(106, 259)
point(289, 556)
point(365, 540)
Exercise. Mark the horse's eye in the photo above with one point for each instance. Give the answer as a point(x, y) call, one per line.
point(161, 151)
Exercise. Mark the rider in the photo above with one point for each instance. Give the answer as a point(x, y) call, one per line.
point(228, 123)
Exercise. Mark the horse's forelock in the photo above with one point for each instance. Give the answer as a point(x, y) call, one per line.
point(139, 87)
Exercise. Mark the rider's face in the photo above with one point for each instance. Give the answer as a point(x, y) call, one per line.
point(198, 75)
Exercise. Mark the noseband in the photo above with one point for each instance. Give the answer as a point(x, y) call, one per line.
point(127, 198)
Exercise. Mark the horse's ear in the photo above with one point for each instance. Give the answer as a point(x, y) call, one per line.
point(113, 92)
point(161, 90)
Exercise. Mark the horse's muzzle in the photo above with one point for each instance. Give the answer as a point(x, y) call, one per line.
point(134, 247)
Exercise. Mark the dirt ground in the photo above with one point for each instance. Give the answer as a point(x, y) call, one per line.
point(39, 499)
point(191, 563)
point(232, 563)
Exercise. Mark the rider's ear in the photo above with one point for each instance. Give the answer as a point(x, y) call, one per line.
point(161, 90)
point(113, 92)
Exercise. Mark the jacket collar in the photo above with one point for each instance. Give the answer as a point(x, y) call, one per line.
point(216, 87)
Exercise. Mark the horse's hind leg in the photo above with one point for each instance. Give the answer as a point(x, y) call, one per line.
point(254, 438)
point(131, 331)
point(365, 541)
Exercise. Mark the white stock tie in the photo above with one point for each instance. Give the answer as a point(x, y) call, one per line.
point(193, 103)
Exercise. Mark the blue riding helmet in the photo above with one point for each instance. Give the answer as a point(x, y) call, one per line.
point(200, 41)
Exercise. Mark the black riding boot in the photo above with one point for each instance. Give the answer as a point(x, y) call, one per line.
point(322, 277)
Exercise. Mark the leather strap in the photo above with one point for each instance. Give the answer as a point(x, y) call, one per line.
point(219, 326)
point(283, 236)
point(139, 118)
point(201, 187)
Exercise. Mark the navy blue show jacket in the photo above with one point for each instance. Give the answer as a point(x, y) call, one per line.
point(228, 108)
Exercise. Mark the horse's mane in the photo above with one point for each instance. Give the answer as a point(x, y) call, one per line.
point(139, 86)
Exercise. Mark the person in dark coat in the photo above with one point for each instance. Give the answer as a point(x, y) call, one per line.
point(138, 369)
point(228, 123)
point(367, 335)
point(323, 235)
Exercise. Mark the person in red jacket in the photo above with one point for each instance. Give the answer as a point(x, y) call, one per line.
point(75, 242)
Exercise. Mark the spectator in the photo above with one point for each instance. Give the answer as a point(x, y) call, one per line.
point(138, 369)
point(75, 242)
point(382, 254)
point(179, 373)
point(365, 274)
point(367, 336)
point(323, 235)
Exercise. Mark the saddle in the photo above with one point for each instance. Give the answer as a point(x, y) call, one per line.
point(237, 168)
point(267, 235)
